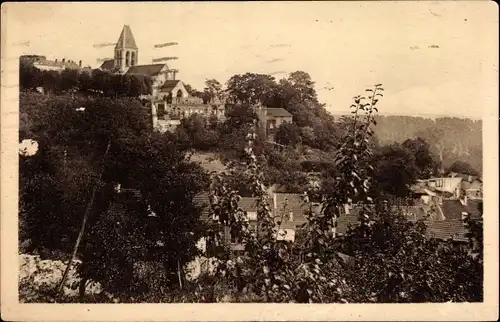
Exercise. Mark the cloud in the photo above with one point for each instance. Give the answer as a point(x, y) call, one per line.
point(278, 72)
point(275, 60)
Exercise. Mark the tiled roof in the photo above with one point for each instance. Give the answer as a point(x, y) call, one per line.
point(60, 64)
point(278, 112)
point(202, 200)
point(445, 229)
point(294, 203)
point(248, 204)
point(169, 85)
point(126, 39)
point(440, 229)
point(472, 208)
point(151, 70)
point(108, 64)
point(418, 211)
point(344, 221)
point(452, 209)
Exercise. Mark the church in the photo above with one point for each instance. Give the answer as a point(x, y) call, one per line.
point(126, 56)
point(170, 101)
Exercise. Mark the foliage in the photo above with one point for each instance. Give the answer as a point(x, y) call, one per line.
point(463, 168)
point(397, 262)
point(136, 245)
point(395, 170)
point(288, 134)
point(55, 188)
point(95, 82)
point(425, 160)
point(196, 132)
point(451, 139)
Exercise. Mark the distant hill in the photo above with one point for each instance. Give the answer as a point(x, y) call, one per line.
point(453, 138)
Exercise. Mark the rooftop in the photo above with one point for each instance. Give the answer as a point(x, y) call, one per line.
point(60, 64)
point(278, 112)
point(169, 85)
point(126, 39)
point(151, 70)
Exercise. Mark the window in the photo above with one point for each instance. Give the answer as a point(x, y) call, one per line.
point(127, 59)
point(235, 237)
point(133, 60)
point(290, 216)
point(272, 124)
point(251, 215)
point(179, 93)
point(439, 183)
point(161, 110)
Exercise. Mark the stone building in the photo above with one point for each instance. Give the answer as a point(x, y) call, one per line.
point(169, 100)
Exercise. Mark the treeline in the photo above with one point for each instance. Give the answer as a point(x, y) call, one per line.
point(453, 139)
point(315, 127)
point(404, 149)
point(88, 82)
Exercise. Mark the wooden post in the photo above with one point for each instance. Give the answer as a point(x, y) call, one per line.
point(179, 273)
point(82, 229)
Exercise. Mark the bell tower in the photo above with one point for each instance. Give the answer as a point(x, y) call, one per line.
point(126, 51)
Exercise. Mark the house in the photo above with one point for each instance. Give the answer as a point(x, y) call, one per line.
point(274, 117)
point(459, 209)
point(57, 65)
point(472, 186)
point(167, 112)
point(290, 211)
point(247, 204)
point(172, 89)
point(443, 186)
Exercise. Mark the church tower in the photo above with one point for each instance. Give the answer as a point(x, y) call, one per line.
point(126, 51)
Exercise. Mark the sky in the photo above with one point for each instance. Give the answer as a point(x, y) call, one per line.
point(437, 58)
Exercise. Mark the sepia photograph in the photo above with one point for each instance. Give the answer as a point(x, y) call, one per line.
point(251, 153)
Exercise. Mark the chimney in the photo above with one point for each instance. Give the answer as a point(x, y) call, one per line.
point(56, 60)
point(80, 63)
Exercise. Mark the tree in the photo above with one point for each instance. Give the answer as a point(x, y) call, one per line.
point(55, 187)
point(303, 85)
point(252, 88)
point(288, 134)
point(213, 89)
point(424, 159)
point(196, 132)
point(395, 170)
point(397, 262)
point(463, 168)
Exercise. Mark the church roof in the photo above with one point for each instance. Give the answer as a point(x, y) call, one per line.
point(126, 39)
point(108, 64)
point(169, 85)
point(151, 70)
